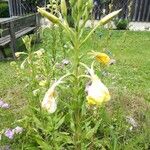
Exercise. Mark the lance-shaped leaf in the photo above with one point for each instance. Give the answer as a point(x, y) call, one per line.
point(49, 16)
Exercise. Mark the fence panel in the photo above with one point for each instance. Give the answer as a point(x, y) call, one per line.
point(134, 10)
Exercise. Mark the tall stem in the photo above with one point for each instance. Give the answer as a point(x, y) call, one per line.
point(77, 111)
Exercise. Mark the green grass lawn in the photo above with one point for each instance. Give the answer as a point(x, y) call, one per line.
point(128, 80)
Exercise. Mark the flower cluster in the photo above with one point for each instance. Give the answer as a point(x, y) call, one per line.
point(97, 93)
point(10, 133)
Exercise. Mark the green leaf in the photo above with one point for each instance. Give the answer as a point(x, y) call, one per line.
point(93, 130)
point(61, 121)
point(43, 145)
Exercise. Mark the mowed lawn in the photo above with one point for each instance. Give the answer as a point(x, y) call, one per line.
point(128, 80)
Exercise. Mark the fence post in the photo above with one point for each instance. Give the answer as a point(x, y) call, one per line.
point(10, 8)
point(12, 38)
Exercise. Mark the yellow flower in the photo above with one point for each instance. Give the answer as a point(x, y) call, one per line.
point(97, 92)
point(101, 57)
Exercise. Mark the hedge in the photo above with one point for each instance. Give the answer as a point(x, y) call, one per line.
point(4, 10)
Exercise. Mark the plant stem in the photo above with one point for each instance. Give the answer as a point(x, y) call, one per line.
point(77, 111)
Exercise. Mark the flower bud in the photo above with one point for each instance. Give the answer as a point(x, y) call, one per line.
point(107, 18)
point(49, 16)
point(63, 7)
point(101, 57)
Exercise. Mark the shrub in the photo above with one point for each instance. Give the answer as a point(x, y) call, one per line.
point(4, 10)
point(121, 24)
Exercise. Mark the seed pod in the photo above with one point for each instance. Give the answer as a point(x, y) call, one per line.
point(63, 7)
point(49, 16)
point(109, 17)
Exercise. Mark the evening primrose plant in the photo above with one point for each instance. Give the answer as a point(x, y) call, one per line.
point(66, 112)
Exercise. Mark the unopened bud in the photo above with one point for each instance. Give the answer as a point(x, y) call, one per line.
point(49, 16)
point(63, 7)
point(107, 18)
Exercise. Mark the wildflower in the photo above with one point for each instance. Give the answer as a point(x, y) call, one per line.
point(65, 62)
point(43, 83)
point(40, 52)
point(4, 105)
point(18, 130)
point(101, 57)
point(97, 92)
point(9, 133)
point(49, 102)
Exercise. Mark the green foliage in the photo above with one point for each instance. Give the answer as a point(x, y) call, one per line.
point(129, 91)
point(121, 24)
point(59, 114)
point(4, 10)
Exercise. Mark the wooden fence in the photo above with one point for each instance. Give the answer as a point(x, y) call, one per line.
point(23, 7)
point(141, 10)
point(135, 10)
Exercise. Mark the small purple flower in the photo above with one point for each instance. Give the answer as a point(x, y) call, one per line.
point(1, 103)
point(5, 105)
point(9, 133)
